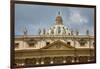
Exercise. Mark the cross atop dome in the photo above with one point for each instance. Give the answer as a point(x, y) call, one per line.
point(59, 13)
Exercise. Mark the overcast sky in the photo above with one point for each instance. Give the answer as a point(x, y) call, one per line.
point(35, 17)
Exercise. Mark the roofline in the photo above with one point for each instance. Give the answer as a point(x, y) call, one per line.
point(53, 36)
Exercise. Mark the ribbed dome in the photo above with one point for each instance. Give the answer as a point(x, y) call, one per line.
point(59, 30)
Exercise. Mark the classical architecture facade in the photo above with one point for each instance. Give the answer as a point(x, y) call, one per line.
point(58, 45)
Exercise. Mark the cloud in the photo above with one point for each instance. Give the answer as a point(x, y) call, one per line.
point(76, 17)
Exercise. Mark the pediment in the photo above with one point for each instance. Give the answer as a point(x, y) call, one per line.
point(58, 45)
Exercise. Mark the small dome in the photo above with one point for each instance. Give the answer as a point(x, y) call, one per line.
point(59, 20)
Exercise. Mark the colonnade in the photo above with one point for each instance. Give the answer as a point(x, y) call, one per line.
point(54, 60)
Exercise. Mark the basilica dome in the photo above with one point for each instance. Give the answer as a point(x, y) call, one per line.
point(59, 28)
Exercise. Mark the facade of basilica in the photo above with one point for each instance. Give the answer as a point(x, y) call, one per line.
point(58, 45)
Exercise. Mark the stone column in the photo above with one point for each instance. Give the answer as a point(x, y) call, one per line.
point(42, 60)
point(51, 60)
point(64, 59)
point(77, 58)
point(37, 61)
point(73, 60)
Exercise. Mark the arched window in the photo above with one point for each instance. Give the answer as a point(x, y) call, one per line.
point(52, 31)
point(68, 33)
point(28, 62)
point(69, 59)
point(31, 42)
point(59, 30)
point(82, 42)
point(93, 44)
point(83, 59)
point(58, 60)
point(47, 43)
point(47, 60)
point(68, 43)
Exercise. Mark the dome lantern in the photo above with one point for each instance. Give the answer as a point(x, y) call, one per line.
point(59, 20)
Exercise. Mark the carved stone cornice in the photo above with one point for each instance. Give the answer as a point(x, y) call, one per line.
point(37, 37)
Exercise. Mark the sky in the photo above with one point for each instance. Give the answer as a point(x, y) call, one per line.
point(35, 17)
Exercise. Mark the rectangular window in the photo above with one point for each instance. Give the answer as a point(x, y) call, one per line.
point(16, 45)
point(31, 45)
